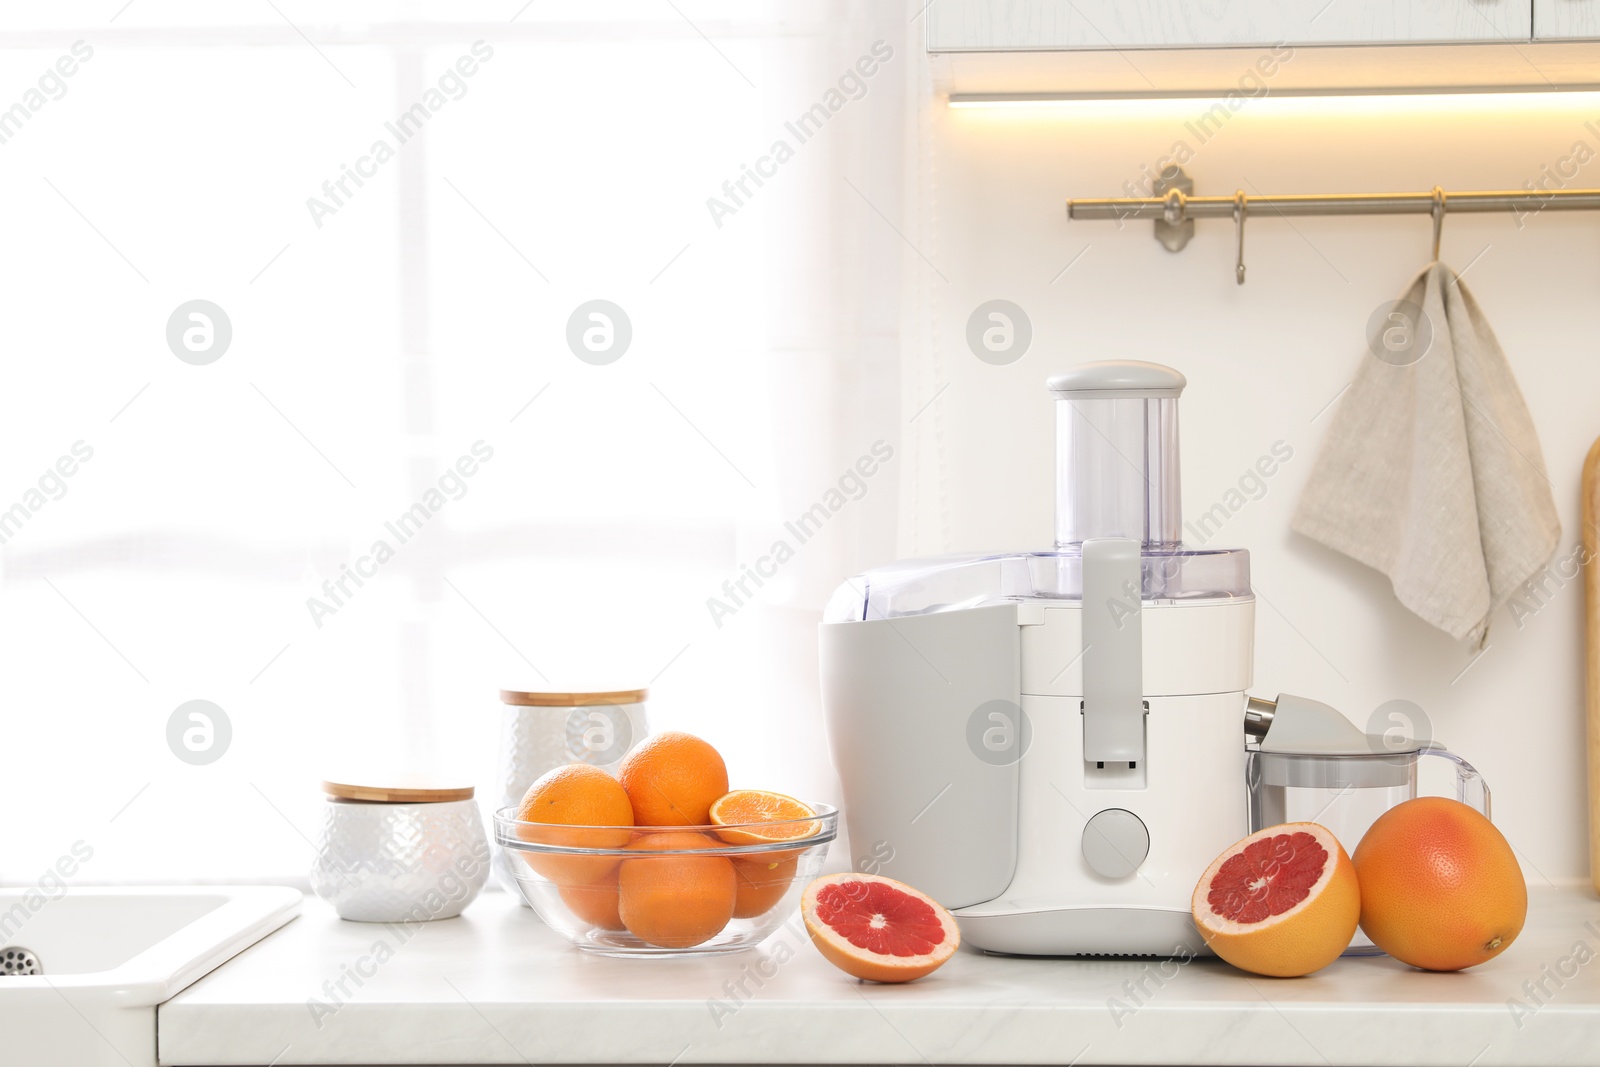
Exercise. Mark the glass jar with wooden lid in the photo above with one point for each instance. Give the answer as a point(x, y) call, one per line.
point(547, 728)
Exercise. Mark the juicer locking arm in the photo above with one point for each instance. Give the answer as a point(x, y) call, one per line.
point(1113, 651)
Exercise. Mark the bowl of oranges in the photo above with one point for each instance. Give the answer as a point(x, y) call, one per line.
point(663, 859)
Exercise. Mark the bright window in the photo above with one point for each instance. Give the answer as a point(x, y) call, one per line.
point(408, 326)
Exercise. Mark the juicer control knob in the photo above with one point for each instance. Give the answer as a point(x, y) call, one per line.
point(1115, 843)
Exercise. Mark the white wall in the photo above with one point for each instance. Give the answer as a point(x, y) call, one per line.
point(1263, 360)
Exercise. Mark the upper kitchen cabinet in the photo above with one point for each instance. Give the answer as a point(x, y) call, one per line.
point(1566, 20)
point(1059, 25)
point(1086, 48)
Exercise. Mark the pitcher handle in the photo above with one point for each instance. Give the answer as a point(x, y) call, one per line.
point(1471, 789)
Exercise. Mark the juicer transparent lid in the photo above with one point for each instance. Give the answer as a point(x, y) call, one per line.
point(1116, 477)
point(955, 583)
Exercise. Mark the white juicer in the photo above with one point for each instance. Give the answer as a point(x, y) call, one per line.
point(1051, 743)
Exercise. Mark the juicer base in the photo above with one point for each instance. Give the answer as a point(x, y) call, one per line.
point(1157, 932)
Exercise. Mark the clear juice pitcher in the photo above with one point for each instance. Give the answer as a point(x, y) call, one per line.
point(1343, 780)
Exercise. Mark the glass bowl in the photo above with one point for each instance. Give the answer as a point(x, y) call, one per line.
point(665, 890)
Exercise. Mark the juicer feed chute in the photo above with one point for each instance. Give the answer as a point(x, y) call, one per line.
point(1117, 454)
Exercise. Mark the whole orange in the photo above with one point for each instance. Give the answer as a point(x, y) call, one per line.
point(1440, 887)
point(586, 799)
point(762, 880)
point(672, 779)
point(675, 901)
point(596, 903)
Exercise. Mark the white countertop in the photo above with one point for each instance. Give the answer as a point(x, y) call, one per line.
point(497, 986)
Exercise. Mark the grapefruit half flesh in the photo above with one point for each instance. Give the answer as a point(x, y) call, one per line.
point(876, 928)
point(1282, 902)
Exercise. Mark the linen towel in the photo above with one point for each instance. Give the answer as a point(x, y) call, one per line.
point(1431, 471)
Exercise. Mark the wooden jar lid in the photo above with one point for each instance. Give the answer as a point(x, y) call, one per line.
point(526, 699)
point(413, 790)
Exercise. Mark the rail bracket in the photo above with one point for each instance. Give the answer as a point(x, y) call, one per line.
point(1173, 235)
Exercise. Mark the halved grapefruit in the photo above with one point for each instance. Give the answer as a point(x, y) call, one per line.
point(1282, 902)
point(877, 928)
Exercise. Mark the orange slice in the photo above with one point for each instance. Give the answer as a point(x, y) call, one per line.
point(743, 807)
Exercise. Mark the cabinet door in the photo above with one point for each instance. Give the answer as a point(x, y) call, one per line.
point(1566, 20)
point(1024, 25)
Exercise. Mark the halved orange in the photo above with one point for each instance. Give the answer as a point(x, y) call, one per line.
point(744, 807)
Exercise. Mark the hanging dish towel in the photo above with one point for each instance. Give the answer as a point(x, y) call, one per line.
point(1432, 472)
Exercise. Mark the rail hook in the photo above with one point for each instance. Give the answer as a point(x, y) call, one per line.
point(1241, 207)
point(1440, 206)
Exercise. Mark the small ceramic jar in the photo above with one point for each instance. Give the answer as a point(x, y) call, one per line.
point(541, 731)
point(400, 853)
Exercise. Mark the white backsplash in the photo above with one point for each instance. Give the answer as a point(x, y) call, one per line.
point(1264, 361)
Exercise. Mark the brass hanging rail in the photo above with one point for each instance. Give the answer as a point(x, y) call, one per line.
point(1221, 207)
point(1174, 209)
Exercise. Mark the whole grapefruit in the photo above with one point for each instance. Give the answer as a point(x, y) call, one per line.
point(1440, 887)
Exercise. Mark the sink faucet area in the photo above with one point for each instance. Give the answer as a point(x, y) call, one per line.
point(81, 975)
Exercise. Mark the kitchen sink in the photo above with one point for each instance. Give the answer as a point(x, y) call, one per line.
point(81, 973)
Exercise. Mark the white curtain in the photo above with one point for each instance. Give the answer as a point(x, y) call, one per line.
point(399, 324)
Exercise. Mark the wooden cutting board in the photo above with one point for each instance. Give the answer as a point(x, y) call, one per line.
point(1591, 598)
